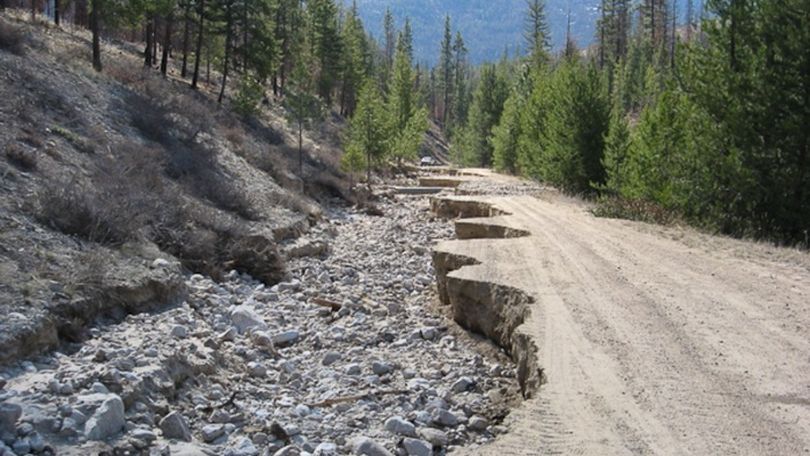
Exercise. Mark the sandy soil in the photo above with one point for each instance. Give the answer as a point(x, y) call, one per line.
point(652, 340)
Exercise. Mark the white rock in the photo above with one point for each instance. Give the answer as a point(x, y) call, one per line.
point(463, 384)
point(107, 420)
point(326, 449)
point(400, 426)
point(478, 423)
point(179, 332)
point(286, 338)
point(434, 436)
point(416, 447)
point(381, 368)
point(211, 432)
point(330, 358)
point(245, 319)
point(174, 426)
point(364, 446)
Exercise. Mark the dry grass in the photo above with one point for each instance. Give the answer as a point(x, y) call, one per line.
point(635, 209)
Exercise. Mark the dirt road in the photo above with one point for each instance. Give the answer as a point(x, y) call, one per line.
point(651, 340)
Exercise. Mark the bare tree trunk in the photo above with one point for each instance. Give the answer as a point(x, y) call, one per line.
point(33, 10)
point(167, 44)
point(198, 48)
point(228, 39)
point(300, 150)
point(56, 18)
point(186, 37)
point(147, 52)
point(94, 15)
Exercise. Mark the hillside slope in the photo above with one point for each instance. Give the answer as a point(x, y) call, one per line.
point(115, 183)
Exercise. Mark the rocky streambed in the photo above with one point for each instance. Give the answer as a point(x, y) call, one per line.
point(350, 356)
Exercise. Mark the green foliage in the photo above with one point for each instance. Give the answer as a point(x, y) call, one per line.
point(485, 113)
point(577, 120)
point(406, 142)
point(248, 96)
point(368, 132)
point(326, 45)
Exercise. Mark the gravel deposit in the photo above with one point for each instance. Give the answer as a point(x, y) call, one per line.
point(349, 356)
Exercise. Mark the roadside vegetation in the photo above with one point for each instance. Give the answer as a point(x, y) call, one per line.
point(703, 118)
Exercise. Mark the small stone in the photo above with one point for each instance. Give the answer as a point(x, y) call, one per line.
point(302, 410)
point(416, 447)
point(326, 449)
point(25, 429)
point(179, 332)
point(463, 384)
point(256, 369)
point(37, 442)
point(330, 358)
point(211, 432)
point(381, 368)
point(145, 437)
point(445, 418)
point(243, 447)
point(429, 333)
point(245, 318)
point(263, 339)
point(364, 446)
point(229, 335)
point(107, 420)
point(289, 450)
point(353, 369)
point(174, 426)
point(22, 446)
point(286, 338)
point(436, 437)
point(69, 428)
point(478, 423)
point(99, 387)
point(400, 426)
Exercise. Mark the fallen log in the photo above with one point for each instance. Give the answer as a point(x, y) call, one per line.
point(359, 397)
point(323, 302)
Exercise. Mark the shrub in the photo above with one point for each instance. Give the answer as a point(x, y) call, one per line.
point(248, 96)
point(634, 209)
point(24, 159)
point(12, 39)
point(81, 144)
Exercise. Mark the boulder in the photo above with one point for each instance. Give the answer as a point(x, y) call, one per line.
point(174, 426)
point(107, 420)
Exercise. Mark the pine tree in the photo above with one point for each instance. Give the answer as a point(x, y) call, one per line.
point(461, 97)
point(354, 60)
point(537, 33)
point(326, 44)
point(368, 134)
point(572, 141)
point(303, 106)
point(485, 113)
point(506, 135)
point(446, 74)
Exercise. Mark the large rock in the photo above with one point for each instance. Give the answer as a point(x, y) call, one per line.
point(416, 447)
point(107, 420)
point(364, 446)
point(9, 414)
point(245, 319)
point(400, 426)
point(174, 426)
point(436, 437)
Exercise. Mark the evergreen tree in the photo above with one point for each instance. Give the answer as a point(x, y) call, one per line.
point(326, 45)
point(485, 113)
point(368, 133)
point(354, 60)
point(537, 34)
point(577, 120)
point(303, 107)
point(446, 73)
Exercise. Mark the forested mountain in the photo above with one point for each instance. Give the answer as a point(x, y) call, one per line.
point(488, 26)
